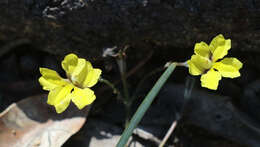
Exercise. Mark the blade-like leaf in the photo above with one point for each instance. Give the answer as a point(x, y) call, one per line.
point(145, 105)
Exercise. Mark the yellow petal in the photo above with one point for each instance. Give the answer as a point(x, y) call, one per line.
point(50, 79)
point(92, 77)
point(82, 97)
point(216, 41)
point(202, 49)
point(219, 47)
point(58, 93)
point(63, 104)
point(198, 65)
point(81, 71)
point(69, 63)
point(210, 79)
point(60, 97)
point(229, 67)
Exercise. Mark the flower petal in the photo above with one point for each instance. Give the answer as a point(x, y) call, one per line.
point(229, 67)
point(82, 97)
point(202, 49)
point(219, 47)
point(198, 65)
point(69, 63)
point(92, 77)
point(81, 71)
point(50, 79)
point(210, 79)
point(60, 97)
point(63, 104)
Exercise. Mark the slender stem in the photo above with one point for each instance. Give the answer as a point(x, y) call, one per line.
point(145, 105)
point(127, 100)
point(168, 134)
point(122, 68)
point(128, 113)
point(108, 83)
point(125, 87)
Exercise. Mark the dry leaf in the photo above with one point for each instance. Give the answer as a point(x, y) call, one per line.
point(33, 123)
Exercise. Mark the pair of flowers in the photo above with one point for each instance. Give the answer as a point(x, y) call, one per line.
point(81, 76)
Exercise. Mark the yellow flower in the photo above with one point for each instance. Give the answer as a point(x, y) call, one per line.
point(205, 62)
point(81, 76)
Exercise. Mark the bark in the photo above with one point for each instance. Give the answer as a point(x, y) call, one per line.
point(168, 25)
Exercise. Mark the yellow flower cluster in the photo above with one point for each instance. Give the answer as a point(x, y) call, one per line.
point(81, 75)
point(76, 88)
point(205, 62)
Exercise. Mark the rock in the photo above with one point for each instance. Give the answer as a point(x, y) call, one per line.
point(169, 25)
point(9, 70)
point(250, 101)
point(28, 65)
point(58, 8)
point(218, 115)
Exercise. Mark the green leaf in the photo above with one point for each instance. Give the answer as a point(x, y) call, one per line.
point(145, 105)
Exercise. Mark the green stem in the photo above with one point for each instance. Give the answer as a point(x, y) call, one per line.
point(145, 105)
point(122, 68)
point(125, 87)
point(128, 113)
point(127, 100)
point(108, 83)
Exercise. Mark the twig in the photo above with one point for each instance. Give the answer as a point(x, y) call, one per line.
point(168, 134)
point(146, 135)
